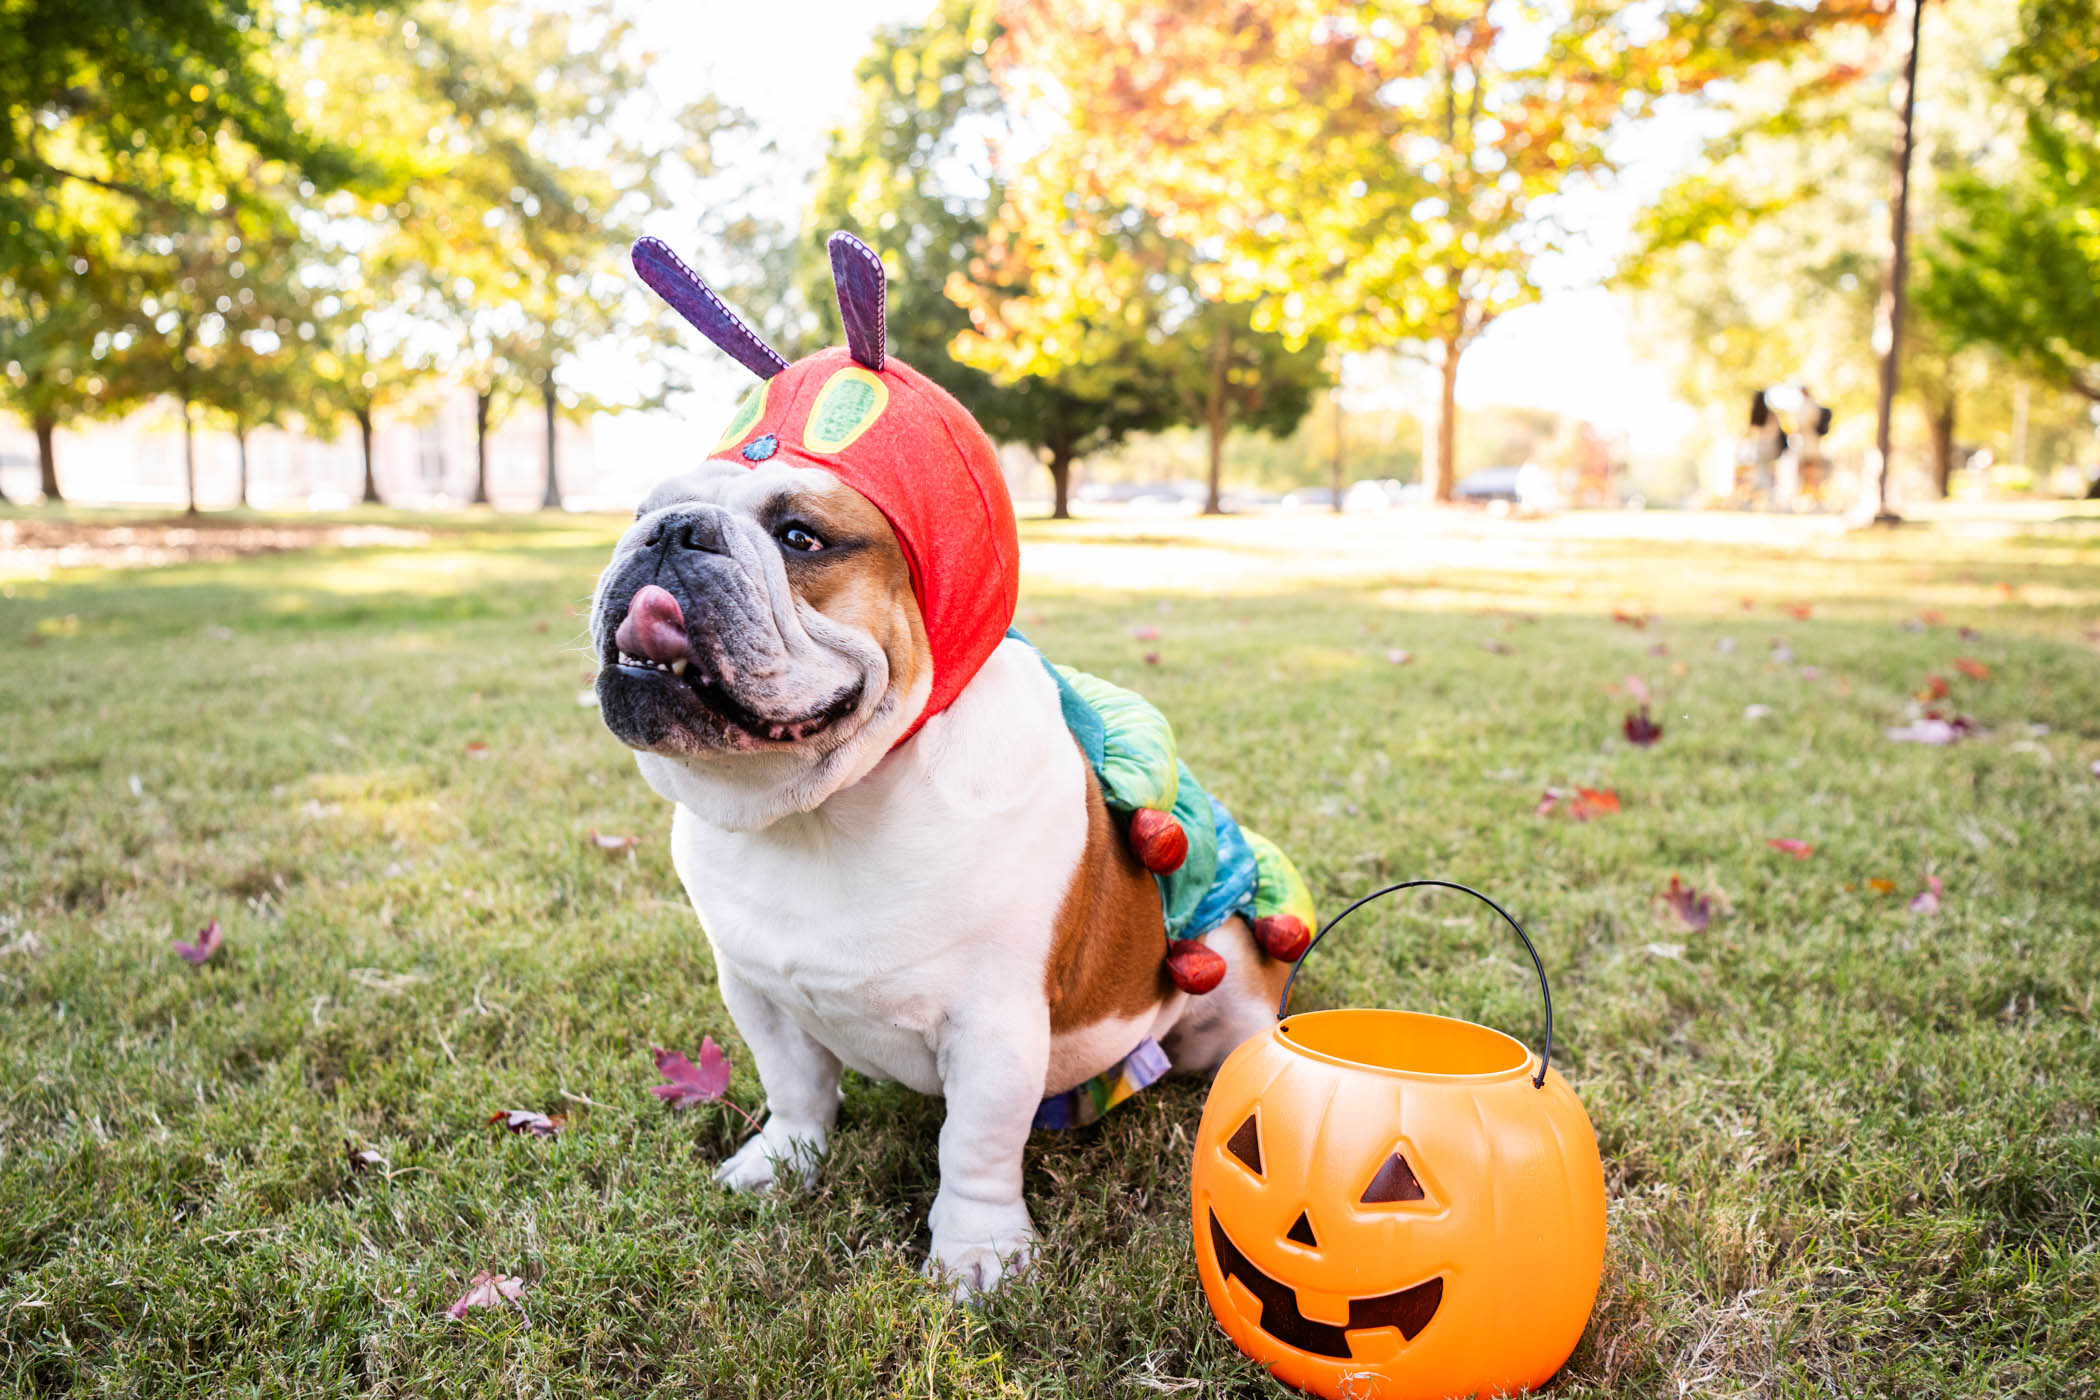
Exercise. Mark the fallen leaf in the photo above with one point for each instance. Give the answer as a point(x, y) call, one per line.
point(1974, 670)
point(1932, 617)
point(1637, 690)
point(1397, 657)
point(1724, 645)
point(487, 1291)
point(362, 1159)
point(1798, 611)
point(687, 1083)
point(1499, 648)
point(1582, 804)
point(202, 950)
point(1637, 621)
point(1756, 711)
point(1659, 649)
point(612, 841)
point(1746, 604)
point(1967, 634)
point(1693, 910)
point(524, 1120)
point(1151, 658)
point(1799, 850)
point(1641, 731)
point(1927, 900)
point(541, 625)
point(1781, 652)
point(477, 749)
point(1663, 950)
point(1811, 673)
point(1934, 729)
point(1935, 688)
point(1145, 634)
point(1880, 886)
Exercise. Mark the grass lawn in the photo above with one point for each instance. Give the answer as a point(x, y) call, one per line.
point(1851, 1149)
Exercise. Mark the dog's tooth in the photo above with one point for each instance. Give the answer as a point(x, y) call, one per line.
point(678, 667)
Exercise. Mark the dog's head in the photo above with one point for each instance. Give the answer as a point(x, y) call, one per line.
point(780, 618)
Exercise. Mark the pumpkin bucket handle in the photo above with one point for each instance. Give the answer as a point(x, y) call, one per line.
point(1545, 992)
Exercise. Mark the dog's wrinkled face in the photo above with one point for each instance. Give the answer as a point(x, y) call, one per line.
point(757, 640)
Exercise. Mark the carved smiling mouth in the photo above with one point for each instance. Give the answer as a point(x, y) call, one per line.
point(1410, 1309)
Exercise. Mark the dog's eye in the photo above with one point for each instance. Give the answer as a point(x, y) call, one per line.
point(800, 537)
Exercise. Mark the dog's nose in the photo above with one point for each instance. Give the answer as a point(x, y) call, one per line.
point(654, 627)
point(701, 530)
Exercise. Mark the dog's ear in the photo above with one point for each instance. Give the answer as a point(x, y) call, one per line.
point(669, 277)
point(856, 272)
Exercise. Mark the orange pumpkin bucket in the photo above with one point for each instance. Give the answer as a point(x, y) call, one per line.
point(1398, 1205)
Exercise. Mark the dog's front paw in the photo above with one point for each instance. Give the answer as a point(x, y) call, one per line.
point(755, 1166)
point(976, 1248)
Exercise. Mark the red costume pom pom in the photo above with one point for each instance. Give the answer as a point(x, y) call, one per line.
point(1159, 841)
point(1283, 936)
point(1194, 967)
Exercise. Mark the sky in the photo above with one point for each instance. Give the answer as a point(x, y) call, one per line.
point(789, 65)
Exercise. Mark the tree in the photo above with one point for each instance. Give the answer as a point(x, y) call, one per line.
point(2017, 265)
point(912, 176)
point(1376, 174)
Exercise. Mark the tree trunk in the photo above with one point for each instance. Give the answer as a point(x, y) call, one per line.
point(240, 441)
point(1216, 418)
point(1060, 480)
point(364, 437)
point(47, 457)
point(1888, 315)
point(1447, 426)
point(1338, 445)
point(552, 500)
point(189, 460)
point(481, 446)
point(1943, 444)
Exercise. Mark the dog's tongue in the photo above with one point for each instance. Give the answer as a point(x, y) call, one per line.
point(654, 627)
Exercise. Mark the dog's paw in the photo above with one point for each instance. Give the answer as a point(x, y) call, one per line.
point(976, 1254)
point(759, 1163)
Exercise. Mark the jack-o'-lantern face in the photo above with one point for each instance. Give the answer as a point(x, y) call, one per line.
point(1386, 1204)
point(1277, 1308)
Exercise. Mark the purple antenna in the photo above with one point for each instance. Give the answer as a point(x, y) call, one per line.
point(857, 274)
point(693, 299)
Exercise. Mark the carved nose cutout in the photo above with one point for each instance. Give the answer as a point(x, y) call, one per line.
point(1301, 1231)
point(1395, 1182)
point(1245, 1144)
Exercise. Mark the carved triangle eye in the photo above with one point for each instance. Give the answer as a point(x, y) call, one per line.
point(1245, 1144)
point(1395, 1182)
point(1301, 1231)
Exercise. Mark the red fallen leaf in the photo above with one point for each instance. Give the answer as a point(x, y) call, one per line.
point(1798, 611)
point(1497, 646)
point(487, 1290)
point(1799, 850)
point(686, 1083)
point(1195, 967)
point(362, 1159)
point(1159, 841)
point(524, 1120)
point(1880, 886)
point(1145, 634)
point(1583, 803)
point(1637, 690)
point(1974, 670)
point(612, 841)
point(1641, 731)
point(1151, 658)
point(477, 749)
point(202, 950)
point(1927, 900)
point(1935, 688)
point(1637, 621)
point(1693, 910)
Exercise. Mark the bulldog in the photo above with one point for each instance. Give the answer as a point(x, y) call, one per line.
point(900, 857)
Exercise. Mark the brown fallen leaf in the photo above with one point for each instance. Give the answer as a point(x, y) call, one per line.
point(1881, 886)
point(612, 842)
point(524, 1120)
point(1694, 911)
point(477, 749)
point(1640, 730)
point(487, 1290)
point(362, 1159)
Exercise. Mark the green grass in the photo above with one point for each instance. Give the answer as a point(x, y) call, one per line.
point(1849, 1150)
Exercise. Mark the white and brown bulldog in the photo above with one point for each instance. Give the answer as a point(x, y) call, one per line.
point(899, 855)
